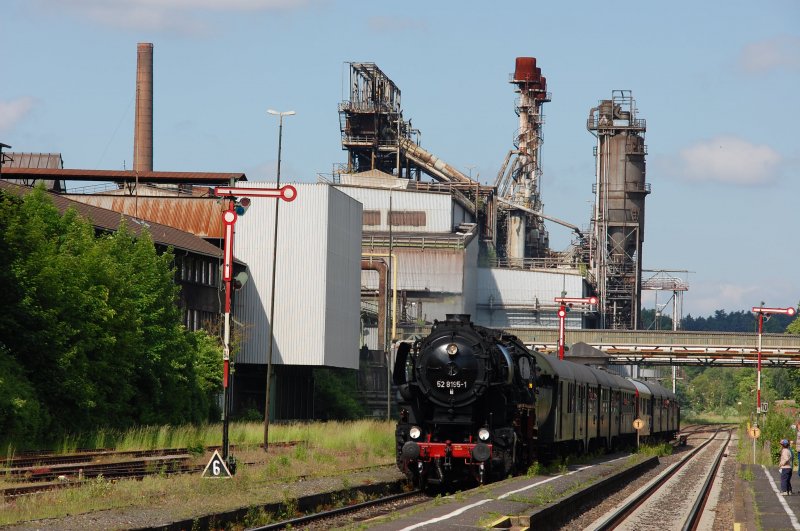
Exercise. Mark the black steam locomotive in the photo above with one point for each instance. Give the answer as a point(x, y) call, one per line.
point(476, 405)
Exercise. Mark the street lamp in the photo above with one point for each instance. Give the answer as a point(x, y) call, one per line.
point(761, 311)
point(280, 116)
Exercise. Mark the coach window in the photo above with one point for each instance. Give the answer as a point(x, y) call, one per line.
point(570, 396)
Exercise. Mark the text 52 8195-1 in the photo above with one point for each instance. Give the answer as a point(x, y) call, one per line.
point(451, 384)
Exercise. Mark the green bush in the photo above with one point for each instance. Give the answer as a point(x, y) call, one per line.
point(22, 418)
point(336, 395)
point(776, 426)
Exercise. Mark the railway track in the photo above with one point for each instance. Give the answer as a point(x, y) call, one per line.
point(38, 472)
point(34, 459)
point(676, 498)
point(351, 514)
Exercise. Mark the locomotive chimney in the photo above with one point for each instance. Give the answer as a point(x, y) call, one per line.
point(143, 128)
point(462, 318)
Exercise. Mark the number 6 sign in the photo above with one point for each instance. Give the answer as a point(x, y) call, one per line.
point(216, 467)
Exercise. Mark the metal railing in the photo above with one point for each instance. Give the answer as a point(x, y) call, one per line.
point(369, 241)
point(532, 263)
point(630, 187)
point(593, 123)
point(662, 338)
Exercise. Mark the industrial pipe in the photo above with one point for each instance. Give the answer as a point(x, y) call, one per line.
point(394, 286)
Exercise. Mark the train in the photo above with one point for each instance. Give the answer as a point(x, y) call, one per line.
point(476, 405)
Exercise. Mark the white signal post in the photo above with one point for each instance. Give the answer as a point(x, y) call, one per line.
point(761, 311)
point(287, 193)
point(562, 316)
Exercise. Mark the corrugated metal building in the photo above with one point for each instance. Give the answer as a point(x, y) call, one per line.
point(423, 212)
point(317, 309)
point(515, 298)
point(317, 288)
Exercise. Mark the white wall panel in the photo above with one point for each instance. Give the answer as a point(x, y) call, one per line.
point(509, 297)
point(342, 300)
point(436, 270)
point(313, 275)
point(438, 207)
point(515, 286)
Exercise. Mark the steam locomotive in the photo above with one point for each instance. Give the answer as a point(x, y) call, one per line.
point(477, 406)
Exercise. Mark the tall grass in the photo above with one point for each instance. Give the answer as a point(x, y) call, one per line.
point(655, 449)
point(335, 449)
point(371, 436)
point(691, 417)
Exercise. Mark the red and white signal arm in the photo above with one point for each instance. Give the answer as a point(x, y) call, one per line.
point(287, 193)
point(576, 300)
point(784, 311)
point(229, 219)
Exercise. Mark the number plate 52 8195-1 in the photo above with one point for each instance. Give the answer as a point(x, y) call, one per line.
point(451, 384)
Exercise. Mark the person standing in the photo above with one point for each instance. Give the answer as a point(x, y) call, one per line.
point(785, 466)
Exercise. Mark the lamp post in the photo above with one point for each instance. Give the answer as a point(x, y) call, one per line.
point(564, 304)
point(761, 311)
point(280, 116)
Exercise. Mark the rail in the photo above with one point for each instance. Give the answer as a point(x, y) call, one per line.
point(634, 502)
point(324, 515)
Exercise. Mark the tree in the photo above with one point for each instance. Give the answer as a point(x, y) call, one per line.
point(93, 335)
point(21, 413)
point(336, 395)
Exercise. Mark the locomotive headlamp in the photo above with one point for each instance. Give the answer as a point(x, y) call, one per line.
point(483, 434)
point(452, 349)
point(414, 432)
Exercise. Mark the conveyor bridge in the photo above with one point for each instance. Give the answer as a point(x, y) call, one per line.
point(667, 348)
point(641, 347)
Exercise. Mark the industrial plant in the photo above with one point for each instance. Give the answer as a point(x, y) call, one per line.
point(495, 248)
point(393, 239)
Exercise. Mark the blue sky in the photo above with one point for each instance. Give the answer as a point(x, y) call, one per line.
point(717, 82)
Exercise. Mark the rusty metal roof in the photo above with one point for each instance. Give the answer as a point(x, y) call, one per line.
point(201, 216)
point(122, 176)
point(49, 161)
point(109, 220)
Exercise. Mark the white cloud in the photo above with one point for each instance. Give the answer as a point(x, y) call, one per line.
point(729, 159)
point(771, 54)
point(184, 16)
point(11, 112)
